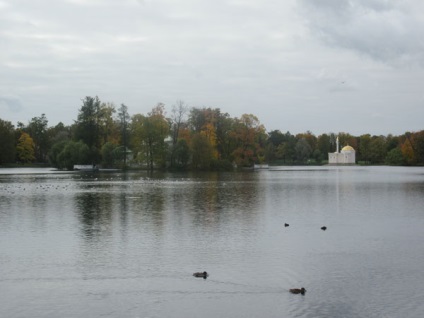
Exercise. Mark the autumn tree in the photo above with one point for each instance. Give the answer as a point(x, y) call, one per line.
point(346, 139)
point(178, 113)
point(25, 148)
point(202, 152)
point(249, 135)
point(108, 128)
point(148, 136)
point(204, 121)
point(408, 152)
point(124, 123)
point(419, 146)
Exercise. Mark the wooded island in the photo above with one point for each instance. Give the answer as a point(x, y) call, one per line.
point(188, 138)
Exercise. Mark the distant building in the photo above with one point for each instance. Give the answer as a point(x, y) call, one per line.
point(345, 157)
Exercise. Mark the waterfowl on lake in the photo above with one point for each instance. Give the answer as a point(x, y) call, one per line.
point(286, 224)
point(201, 274)
point(298, 291)
point(323, 228)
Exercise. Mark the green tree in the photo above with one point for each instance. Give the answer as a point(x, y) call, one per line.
point(54, 152)
point(392, 142)
point(286, 150)
point(324, 146)
point(109, 154)
point(378, 149)
point(60, 132)
point(275, 139)
point(226, 145)
point(181, 154)
point(37, 129)
point(25, 148)
point(395, 157)
point(333, 142)
point(88, 126)
point(198, 119)
point(365, 148)
point(303, 150)
point(67, 153)
point(7, 142)
point(312, 140)
point(74, 153)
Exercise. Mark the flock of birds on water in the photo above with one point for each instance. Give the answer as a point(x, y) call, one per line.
point(301, 290)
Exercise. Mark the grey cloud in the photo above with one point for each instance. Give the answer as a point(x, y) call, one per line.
point(244, 56)
point(384, 30)
point(13, 104)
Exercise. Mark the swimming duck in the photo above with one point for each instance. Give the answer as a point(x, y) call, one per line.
point(323, 228)
point(286, 224)
point(201, 274)
point(298, 291)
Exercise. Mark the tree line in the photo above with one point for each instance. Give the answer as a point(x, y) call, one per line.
point(187, 138)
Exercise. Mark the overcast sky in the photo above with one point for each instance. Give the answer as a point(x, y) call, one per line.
point(320, 65)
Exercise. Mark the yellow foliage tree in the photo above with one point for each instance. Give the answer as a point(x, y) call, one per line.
point(408, 152)
point(25, 148)
point(209, 132)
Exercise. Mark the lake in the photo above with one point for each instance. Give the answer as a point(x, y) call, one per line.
point(126, 244)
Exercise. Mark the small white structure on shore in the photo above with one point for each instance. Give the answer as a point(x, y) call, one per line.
point(345, 157)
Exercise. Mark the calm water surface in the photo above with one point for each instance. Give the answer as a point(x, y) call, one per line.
point(126, 244)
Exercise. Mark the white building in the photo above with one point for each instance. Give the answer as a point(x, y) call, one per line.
point(345, 157)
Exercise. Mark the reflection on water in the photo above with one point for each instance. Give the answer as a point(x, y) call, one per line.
point(126, 244)
point(94, 212)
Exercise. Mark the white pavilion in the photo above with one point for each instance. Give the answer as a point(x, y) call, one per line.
point(345, 157)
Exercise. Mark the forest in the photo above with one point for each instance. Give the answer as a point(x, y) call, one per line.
point(188, 138)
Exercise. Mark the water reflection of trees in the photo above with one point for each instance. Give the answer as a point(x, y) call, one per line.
point(150, 206)
point(94, 213)
point(216, 198)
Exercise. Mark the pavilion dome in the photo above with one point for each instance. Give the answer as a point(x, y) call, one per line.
point(347, 149)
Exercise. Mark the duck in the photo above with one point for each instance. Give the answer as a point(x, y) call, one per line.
point(323, 228)
point(298, 290)
point(286, 224)
point(201, 274)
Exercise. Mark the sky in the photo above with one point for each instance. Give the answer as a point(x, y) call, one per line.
point(354, 66)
